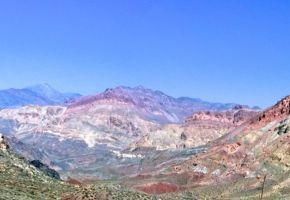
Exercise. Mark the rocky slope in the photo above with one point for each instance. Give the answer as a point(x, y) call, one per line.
point(199, 129)
point(248, 160)
point(20, 180)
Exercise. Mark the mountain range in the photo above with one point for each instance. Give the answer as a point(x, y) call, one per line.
point(41, 94)
point(106, 124)
point(149, 104)
point(148, 142)
point(44, 94)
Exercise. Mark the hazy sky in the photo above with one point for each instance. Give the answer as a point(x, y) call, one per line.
point(225, 51)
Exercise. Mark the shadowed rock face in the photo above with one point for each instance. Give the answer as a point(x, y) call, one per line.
point(3, 144)
point(45, 169)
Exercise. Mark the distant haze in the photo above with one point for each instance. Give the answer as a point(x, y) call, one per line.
point(219, 51)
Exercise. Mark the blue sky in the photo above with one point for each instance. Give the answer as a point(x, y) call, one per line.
point(225, 51)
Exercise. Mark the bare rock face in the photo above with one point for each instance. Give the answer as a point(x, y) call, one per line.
point(125, 125)
point(3, 144)
point(233, 117)
point(278, 111)
point(45, 169)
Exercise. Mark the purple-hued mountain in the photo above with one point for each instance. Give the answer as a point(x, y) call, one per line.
point(42, 94)
point(149, 104)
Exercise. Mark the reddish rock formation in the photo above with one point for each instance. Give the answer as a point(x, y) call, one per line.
point(158, 188)
point(279, 111)
point(235, 116)
point(73, 181)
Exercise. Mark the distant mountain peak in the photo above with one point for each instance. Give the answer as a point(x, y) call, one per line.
point(46, 85)
point(141, 87)
point(39, 94)
point(44, 88)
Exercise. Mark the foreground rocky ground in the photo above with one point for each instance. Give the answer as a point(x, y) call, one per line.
point(19, 180)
